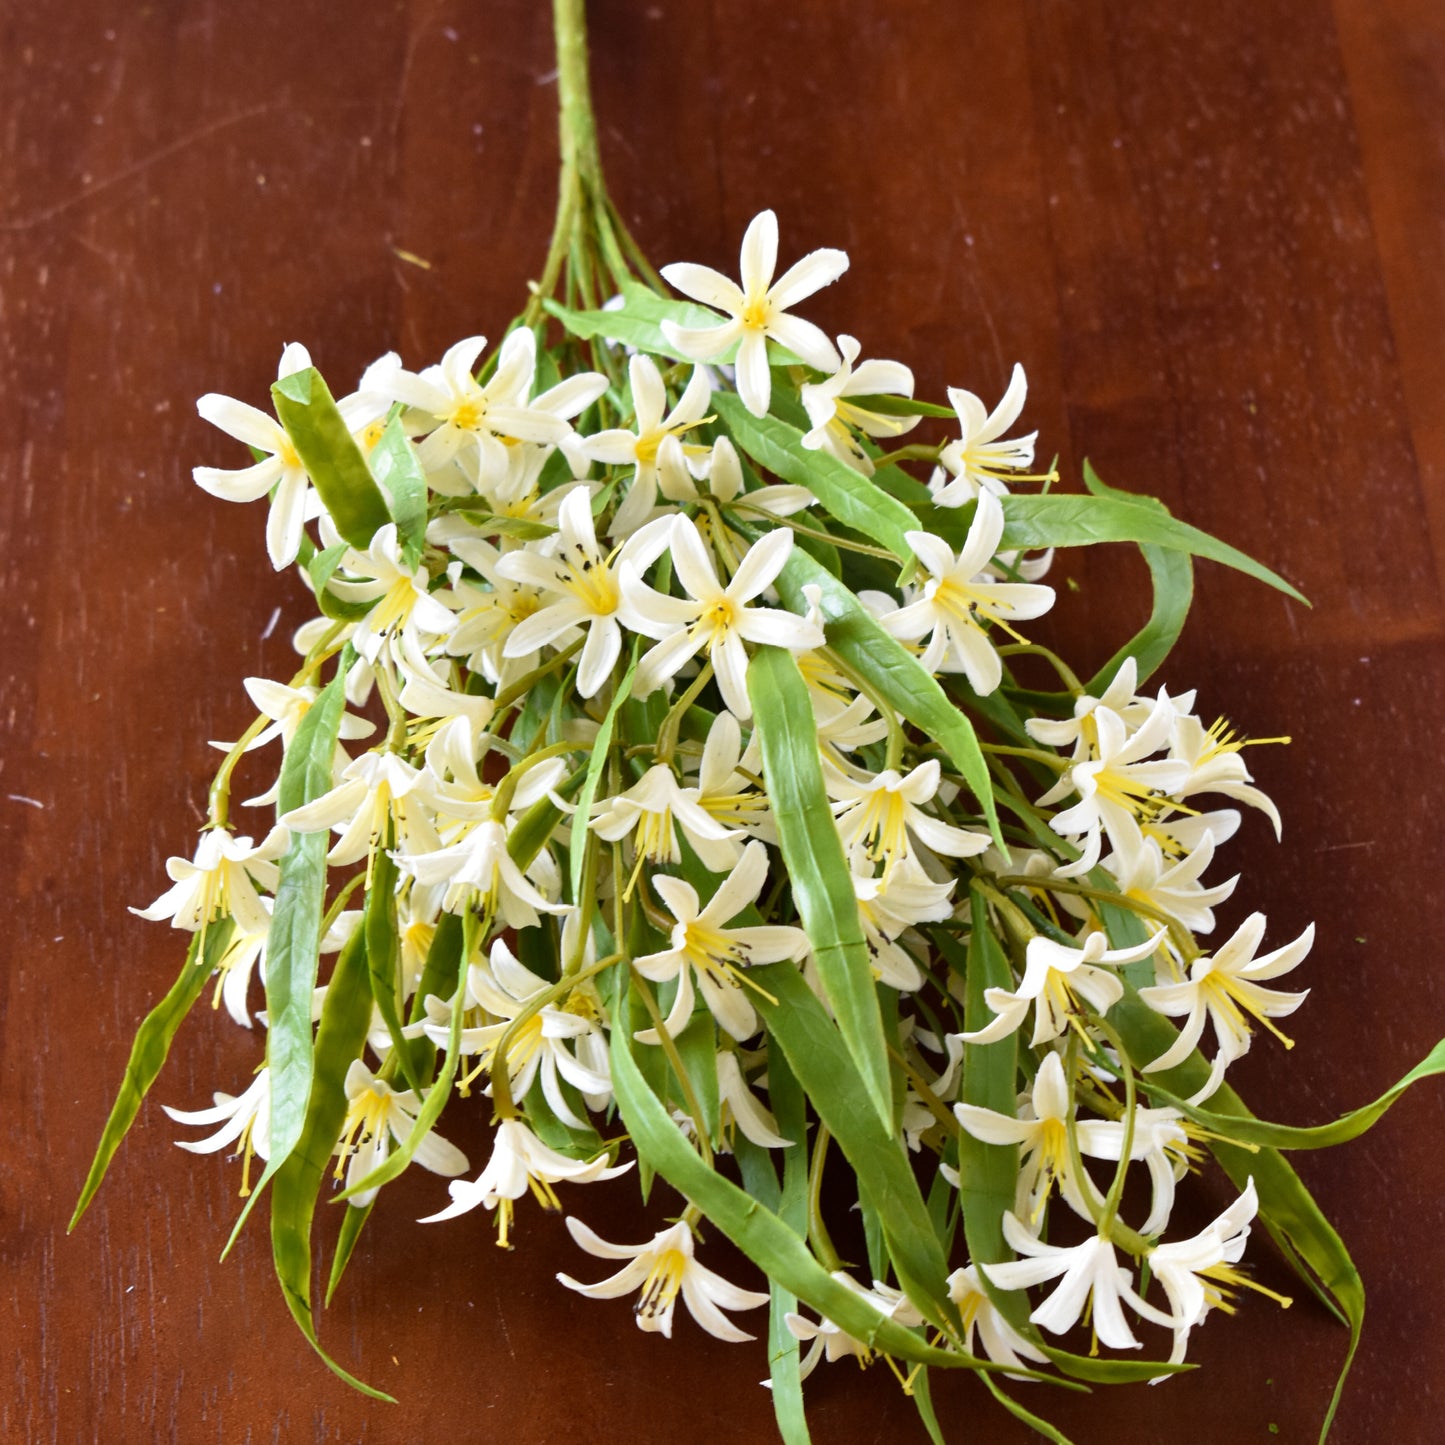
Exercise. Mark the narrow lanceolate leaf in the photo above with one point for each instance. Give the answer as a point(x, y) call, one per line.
point(383, 953)
point(1308, 1240)
point(1057, 520)
point(815, 1052)
point(756, 1230)
point(818, 872)
point(987, 1172)
point(855, 500)
point(333, 461)
point(340, 1038)
point(152, 1044)
point(1172, 576)
point(294, 946)
point(394, 464)
point(893, 672)
point(1242, 1130)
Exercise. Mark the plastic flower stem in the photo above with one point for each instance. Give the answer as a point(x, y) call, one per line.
point(818, 1235)
point(1052, 760)
point(1067, 675)
point(743, 505)
point(506, 789)
point(524, 685)
point(1177, 931)
point(667, 733)
point(914, 452)
point(669, 1047)
point(1116, 1189)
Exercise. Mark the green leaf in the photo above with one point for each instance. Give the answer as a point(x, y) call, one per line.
point(340, 1038)
point(330, 455)
point(987, 1172)
point(1059, 520)
point(893, 672)
point(320, 569)
point(394, 464)
point(1172, 576)
point(816, 1053)
point(148, 1051)
point(352, 1223)
point(383, 952)
point(818, 874)
point(885, 405)
point(790, 1204)
point(294, 942)
point(855, 500)
point(1240, 1130)
point(756, 1230)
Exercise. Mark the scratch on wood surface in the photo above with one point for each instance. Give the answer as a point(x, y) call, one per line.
point(126, 173)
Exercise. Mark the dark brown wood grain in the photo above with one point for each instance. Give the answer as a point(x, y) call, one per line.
point(1213, 233)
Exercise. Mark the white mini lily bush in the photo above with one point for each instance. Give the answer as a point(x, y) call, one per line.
point(659, 780)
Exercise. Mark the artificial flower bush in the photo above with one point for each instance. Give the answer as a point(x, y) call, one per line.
point(667, 774)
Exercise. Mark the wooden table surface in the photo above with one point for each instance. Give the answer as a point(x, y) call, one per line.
point(1212, 232)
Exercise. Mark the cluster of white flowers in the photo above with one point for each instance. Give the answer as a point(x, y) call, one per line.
point(565, 799)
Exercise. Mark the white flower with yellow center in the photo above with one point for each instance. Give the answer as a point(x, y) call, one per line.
point(890, 905)
point(831, 1342)
point(639, 448)
point(220, 882)
point(487, 616)
point(657, 806)
point(663, 1268)
point(1055, 977)
point(520, 1162)
point(1226, 989)
point(1044, 1139)
point(980, 460)
point(585, 583)
point(375, 1115)
point(1215, 765)
point(1160, 1141)
point(470, 423)
point(704, 945)
point(402, 601)
point(1089, 1272)
point(960, 595)
point(282, 468)
point(1001, 1342)
point(1199, 1274)
point(1171, 885)
point(713, 618)
point(832, 414)
point(880, 817)
point(544, 1042)
point(758, 309)
point(480, 870)
point(728, 786)
point(376, 789)
point(245, 1120)
point(1118, 789)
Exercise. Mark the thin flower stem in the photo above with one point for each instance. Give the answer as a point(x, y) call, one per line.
point(1181, 936)
point(667, 733)
point(1066, 673)
point(524, 685)
point(669, 1048)
point(818, 1235)
point(1116, 1189)
point(744, 505)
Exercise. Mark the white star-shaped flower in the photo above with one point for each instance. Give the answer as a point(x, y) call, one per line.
point(758, 309)
point(664, 1267)
point(713, 617)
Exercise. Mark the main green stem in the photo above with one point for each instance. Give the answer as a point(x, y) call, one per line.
point(589, 239)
